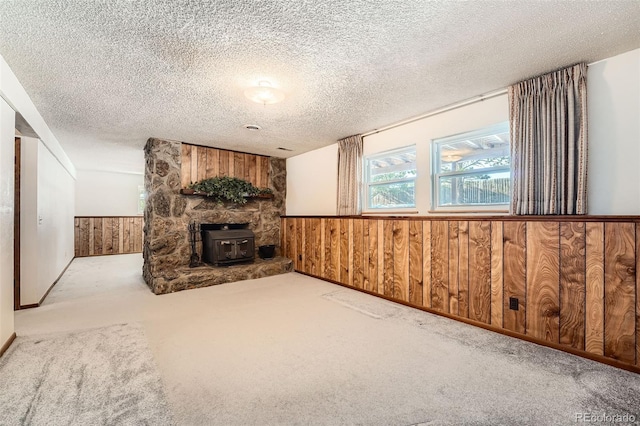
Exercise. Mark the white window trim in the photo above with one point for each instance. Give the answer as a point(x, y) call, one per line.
point(365, 184)
point(435, 176)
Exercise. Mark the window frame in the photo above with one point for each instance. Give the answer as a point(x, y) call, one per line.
point(366, 181)
point(436, 175)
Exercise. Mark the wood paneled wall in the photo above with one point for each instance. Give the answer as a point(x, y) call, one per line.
point(97, 236)
point(200, 162)
point(575, 279)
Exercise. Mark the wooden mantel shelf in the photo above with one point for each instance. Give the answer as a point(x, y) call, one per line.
point(185, 191)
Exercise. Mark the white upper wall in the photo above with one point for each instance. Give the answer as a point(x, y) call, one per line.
point(46, 220)
point(100, 193)
point(613, 99)
point(312, 182)
point(613, 90)
point(7, 123)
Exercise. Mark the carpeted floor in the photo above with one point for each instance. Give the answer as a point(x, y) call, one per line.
point(91, 377)
point(291, 349)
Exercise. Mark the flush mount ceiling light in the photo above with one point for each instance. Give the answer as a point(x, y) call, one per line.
point(264, 93)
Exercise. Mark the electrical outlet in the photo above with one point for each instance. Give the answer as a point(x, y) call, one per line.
point(513, 303)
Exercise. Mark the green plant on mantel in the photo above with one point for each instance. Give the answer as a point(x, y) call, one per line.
point(229, 189)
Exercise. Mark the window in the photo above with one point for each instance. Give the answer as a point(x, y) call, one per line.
point(472, 169)
point(389, 179)
point(142, 199)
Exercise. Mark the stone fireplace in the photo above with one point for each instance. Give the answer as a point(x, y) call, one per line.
point(168, 213)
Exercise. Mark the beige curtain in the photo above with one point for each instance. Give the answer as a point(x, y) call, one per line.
point(349, 175)
point(548, 120)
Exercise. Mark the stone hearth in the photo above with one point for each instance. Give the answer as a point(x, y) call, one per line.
point(168, 213)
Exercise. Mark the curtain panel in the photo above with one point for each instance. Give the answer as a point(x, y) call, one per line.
point(349, 175)
point(548, 127)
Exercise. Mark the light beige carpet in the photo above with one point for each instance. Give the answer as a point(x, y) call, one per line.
point(291, 349)
point(90, 377)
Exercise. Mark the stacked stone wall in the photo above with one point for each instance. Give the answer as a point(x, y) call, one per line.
point(168, 213)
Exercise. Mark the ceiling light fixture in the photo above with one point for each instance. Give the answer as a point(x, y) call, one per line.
point(252, 127)
point(264, 93)
point(452, 158)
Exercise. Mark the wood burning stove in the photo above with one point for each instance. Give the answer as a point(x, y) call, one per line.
point(227, 243)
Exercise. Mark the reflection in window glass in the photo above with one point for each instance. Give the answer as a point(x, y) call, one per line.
point(473, 168)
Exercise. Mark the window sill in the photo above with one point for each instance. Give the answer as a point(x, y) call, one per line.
point(388, 212)
point(468, 212)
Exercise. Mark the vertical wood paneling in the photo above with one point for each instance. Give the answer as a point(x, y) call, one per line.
point(514, 274)
point(497, 282)
point(291, 239)
point(185, 165)
point(358, 253)
point(401, 260)
point(223, 164)
point(250, 169)
point(194, 163)
point(454, 252)
point(543, 277)
point(344, 251)
point(387, 266)
point(213, 162)
point(91, 237)
point(232, 164)
point(107, 236)
point(316, 228)
point(202, 163)
point(121, 235)
point(264, 171)
point(332, 253)
point(572, 284)
point(115, 235)
point(575, 281)
point(284, 236)
point(350, 254)
point(415, 262)
point(308, 246)
point(97, 236)
point(372, 269)
point(594, 259)
point(381, 256)
point(126, 235)
point(299, 260)
point(366, 253)
point(440, 265)
point(463, 269)
point(480, 271)
point(426, 264)
point(238, 165)
point(323, 264)
point(619, 290)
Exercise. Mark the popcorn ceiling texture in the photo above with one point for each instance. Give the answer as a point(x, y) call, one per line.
point(107, 75)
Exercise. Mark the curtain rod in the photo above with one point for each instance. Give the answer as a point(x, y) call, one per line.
point(451, 107)
point(439, 111)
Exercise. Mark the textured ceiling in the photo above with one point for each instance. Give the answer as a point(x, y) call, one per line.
point(106, 75)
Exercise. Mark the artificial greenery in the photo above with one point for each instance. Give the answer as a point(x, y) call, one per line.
point(228, 189)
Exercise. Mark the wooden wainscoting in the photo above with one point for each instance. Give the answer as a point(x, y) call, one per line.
point(574, 278)
point(102, 235)
point(200, 162)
